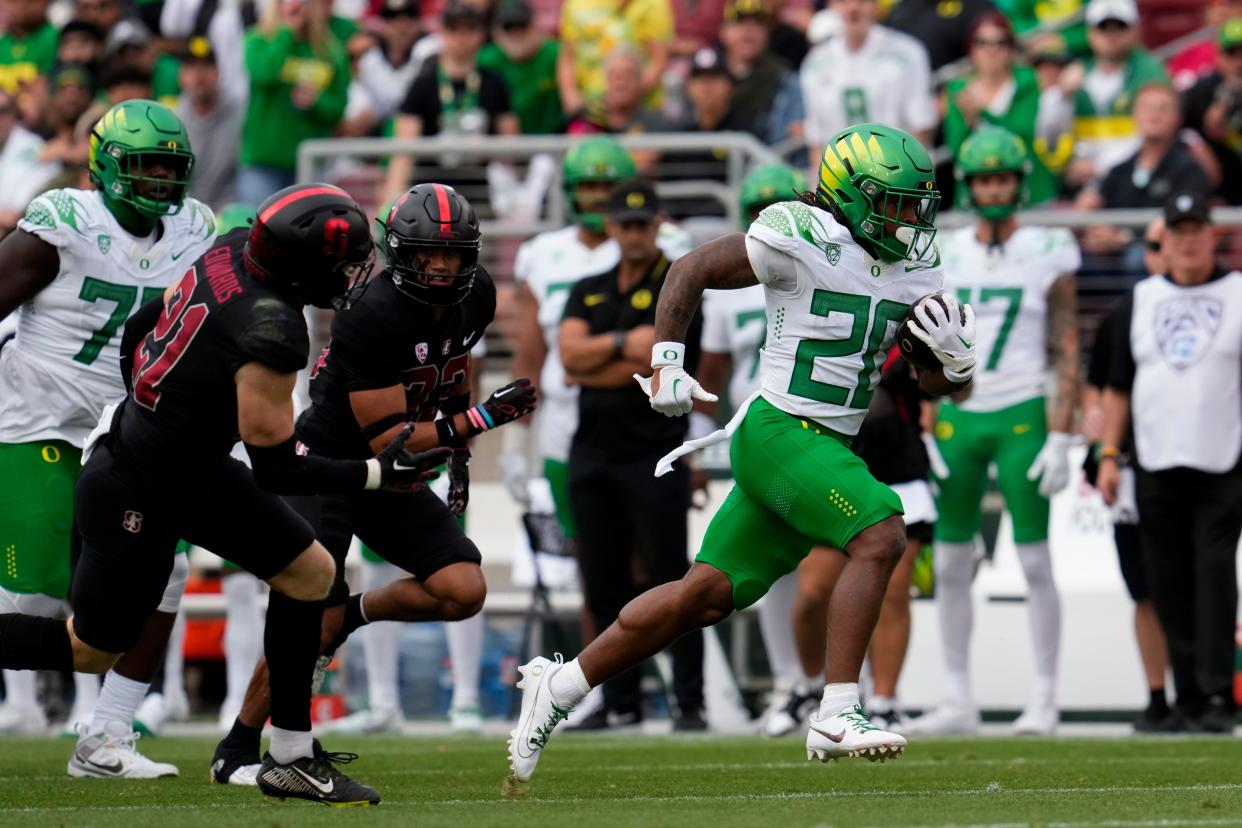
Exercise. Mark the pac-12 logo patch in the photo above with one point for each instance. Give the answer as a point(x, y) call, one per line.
point(1185, 328)
point(420, 351)
point(132, 522)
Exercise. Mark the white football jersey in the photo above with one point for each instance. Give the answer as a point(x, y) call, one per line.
point(887, 81)
point(62, 368)
point(735, 323)
point(832, 312)
point(1008, 289)
point(550, 264)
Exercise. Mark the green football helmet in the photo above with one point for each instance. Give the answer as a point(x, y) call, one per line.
point(130, 139)
point(993, 149)
point(231, 216)
point(872, 177)
point(595, 159)
point(769, 184)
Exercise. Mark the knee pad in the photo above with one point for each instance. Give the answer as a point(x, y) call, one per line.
point(171, 601)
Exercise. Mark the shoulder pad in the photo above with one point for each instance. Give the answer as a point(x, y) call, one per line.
point(54, 213)
point(802, 224)
point(275, 335)
point(196, 219)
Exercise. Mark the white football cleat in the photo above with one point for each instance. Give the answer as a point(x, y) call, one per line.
point(466, 719)
point(22, 720)
point(790, 713)
point(1037, 720)
point(946, 720)
point(151, 715)
point(539, 717)
point(377, 720)
point(102, 756)
point(850, 733)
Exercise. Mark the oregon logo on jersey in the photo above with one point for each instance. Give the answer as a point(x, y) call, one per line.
point(105, 243)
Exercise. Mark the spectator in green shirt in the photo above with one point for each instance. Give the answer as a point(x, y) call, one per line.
point(995, 91)
point(299, 84)
point(28, 45)
point(526, 58)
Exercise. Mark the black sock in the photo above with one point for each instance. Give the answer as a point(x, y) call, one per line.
point(353, 620)
point(30, 642)
point(291, 644)
point(243, 736)
point(1158, 702)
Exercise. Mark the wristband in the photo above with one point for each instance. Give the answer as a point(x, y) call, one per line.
point(665, 354)
point(618, 342)
point(374, 475)
point(1107, 451)
point(446, 431)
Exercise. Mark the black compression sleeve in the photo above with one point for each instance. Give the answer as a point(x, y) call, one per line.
point(280, 470)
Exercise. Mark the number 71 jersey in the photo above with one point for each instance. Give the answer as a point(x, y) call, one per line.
point(63, 367)
point(832, 312)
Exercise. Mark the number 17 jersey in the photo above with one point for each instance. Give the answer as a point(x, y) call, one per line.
point(832, 312)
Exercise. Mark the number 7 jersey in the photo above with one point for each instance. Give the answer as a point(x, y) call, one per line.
point(63, 367)
point(832, 312)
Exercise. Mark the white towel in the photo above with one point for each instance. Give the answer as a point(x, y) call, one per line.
point(720, 435)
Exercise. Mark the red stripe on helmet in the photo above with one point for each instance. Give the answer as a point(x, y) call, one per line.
point(298, 196)
point(443, 204)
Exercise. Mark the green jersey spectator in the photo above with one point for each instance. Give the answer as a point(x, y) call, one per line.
point(1058, 22)
point(28, 45)
point(526, 58)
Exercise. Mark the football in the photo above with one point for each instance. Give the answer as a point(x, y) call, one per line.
point(914, 349)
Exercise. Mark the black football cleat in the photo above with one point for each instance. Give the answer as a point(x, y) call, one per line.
point(315, 778)
point(233, 765)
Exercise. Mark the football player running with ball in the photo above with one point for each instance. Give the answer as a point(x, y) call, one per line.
point(1021, 280)
point(840, 269)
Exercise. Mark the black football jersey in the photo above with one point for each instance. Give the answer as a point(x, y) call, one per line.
point(889, 441)
point(384, 339)
point(182, 406)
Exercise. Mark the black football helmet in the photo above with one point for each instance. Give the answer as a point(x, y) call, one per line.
point(431, 215)
point(313, 242)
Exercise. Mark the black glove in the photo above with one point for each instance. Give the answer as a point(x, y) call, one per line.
point(403, 470)
point(459, 482)
point(517, 399)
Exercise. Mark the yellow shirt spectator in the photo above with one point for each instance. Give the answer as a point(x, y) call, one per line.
point(593, 29)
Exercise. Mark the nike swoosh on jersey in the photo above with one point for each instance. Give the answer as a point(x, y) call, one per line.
point(176, 256)
point(832, 737)
point(319, 786)
point(466, 339)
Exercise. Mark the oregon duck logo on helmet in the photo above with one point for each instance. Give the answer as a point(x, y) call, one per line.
point(880, 183)
point(595, 159)
point(993, 149)
point(140, 159)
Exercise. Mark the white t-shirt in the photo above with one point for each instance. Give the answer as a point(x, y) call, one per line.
point(1008, 289)
point(63, 367)
point(22, 177)
point(887, 81)
point(832, 312)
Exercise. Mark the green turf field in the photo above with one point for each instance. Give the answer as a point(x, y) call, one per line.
point(591, 782)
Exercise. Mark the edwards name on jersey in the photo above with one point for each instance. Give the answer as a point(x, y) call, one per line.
point(832, 312)
point(384, 339)
point(60, 371)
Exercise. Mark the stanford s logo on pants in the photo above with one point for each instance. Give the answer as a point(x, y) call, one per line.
point(132, 522)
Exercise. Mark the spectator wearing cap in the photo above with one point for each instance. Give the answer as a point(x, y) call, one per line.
point(22, 175)
point(1103, 91)
point(81, 43)
point(299, 83)
point(28, 44)
point(1213, 108)
point(944, 29)
point(71, 90)
point(592, 29)
point(866, 73)
point(1162, 165)
point(768, 97)
point(620, 510)
point(453, 94)
point(996, 90)
point(526, 58)
point(385, 71)
point(130, 42)
point(102, 14)
point(213, 120)
point(1050, 27)
point(1199, 57)
point(1175, 376)
point(224, 23)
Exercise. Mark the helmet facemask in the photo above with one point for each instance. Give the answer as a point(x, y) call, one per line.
point(900, 223)
point(408, 265)
point(134, 185)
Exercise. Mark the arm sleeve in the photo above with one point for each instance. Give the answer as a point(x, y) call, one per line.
point(280, 470)
point(1121, 367)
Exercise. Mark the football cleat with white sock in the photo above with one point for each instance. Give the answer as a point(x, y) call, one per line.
point(539, 717)
point(946, 720)
point(850, 733)
point(789, 713)
point(22, 720)
point(1037, 720)
point(374, 720)
point(466, 718)
point(107, 756)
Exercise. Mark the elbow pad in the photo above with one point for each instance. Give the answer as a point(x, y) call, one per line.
point(279, 469)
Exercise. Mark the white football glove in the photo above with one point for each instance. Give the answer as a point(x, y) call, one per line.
point(939, 468)
point(1051, 466)
point(677, 392)
point(515, 474)
point(951, 340)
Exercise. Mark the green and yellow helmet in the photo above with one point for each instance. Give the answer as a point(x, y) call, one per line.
point(871, 176)
point(231, 216)
point(769, 184)
point(595, 159)
point(993, 149)
point(130, 139)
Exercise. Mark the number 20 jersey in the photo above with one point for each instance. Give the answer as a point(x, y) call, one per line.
point(832, 312)
point(62, 368)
